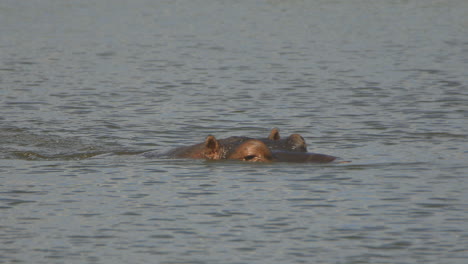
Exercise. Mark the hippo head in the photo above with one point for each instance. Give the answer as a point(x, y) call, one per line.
point(291, 149)
point(252, 150)
point(294, 142)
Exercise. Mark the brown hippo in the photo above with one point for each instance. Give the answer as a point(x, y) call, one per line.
point(245, 149)
point(239, 148)
point(222, 148)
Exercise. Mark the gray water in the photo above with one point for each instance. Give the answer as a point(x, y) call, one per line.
point(86, 86)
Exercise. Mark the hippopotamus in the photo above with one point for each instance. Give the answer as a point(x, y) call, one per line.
point(291, 149)
point(236, 148)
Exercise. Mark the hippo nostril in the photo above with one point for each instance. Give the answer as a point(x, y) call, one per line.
point(249, 157)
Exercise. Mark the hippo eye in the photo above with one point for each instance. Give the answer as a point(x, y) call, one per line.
point(249, 157)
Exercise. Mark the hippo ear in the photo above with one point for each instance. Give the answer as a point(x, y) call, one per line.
point(212, 148)
point(274, 134)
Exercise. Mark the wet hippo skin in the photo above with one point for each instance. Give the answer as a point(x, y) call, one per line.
point(273, 148)
point(238, 148)
point(289, 156)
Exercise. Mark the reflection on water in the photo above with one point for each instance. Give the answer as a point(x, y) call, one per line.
point(87, 86)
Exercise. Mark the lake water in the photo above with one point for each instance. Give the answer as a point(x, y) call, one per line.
point(86, 86)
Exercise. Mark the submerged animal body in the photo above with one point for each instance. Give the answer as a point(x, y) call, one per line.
point(272, 148)
point(288, 156)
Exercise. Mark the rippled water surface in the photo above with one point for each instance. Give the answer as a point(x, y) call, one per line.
point(87, 86)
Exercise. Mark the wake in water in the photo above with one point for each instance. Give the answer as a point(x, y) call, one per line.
point(16, 143)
